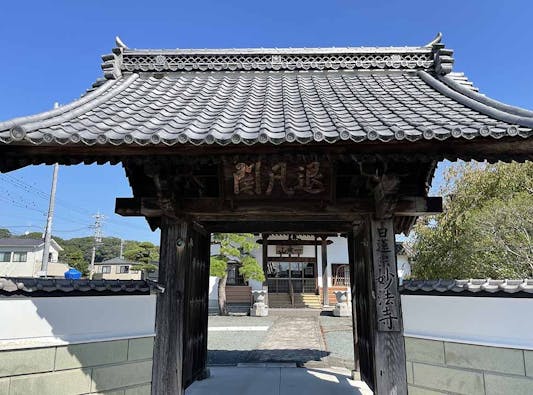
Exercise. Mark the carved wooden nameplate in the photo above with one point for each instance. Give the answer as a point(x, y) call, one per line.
point(385, 276)
point(275, 179)
point(289, 249)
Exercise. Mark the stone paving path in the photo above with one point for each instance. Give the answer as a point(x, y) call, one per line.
point(277, 381)
point(293, 338)
point(305, 337)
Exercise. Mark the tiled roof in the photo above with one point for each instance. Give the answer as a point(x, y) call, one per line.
point(16, 242)
point(472, 287)
point(22, 242)
point(250, 96)
point(37, 287)
point(115, 261)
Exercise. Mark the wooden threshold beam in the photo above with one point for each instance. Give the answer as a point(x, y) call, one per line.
point(211, 209)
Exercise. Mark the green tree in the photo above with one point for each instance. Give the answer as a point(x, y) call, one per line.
point(234, 247)
point(486, 229)
point(73, 257)
point(144, 253)
point(5, 233)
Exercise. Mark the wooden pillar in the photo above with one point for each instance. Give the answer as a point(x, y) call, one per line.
point(389, 346)
point(353, 291)
point(325, 292)
point(362, 300)
point(265, 256)
point(196, 307)
point(205, 255)
point(167, 377)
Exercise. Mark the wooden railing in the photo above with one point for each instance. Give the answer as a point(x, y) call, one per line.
point(281, 285)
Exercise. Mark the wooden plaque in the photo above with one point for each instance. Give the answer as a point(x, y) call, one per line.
point(266, 179)
point(385, 276)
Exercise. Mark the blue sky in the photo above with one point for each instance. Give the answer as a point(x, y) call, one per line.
point(51, 53)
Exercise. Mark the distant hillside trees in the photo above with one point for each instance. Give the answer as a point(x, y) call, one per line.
point(4, 233)
point(144, 253)
point(486, 229)
point(77, 251)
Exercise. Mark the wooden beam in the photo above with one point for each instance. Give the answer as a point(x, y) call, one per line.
point(325, 288)
point(196, 300)
point(287, 226)
point(291, 259)
point(389, 347)
point(265, 256)
point(361, 274)
point(208, 209)
point(293, 242)
point(167, 370)
point(353, 292)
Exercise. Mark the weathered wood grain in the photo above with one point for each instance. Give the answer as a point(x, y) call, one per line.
point(324, 249)
point(169, 325)
point(353, 291)
point(389, 347)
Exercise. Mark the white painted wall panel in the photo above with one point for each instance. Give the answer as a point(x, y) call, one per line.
point(491, 321)
point(31, 322)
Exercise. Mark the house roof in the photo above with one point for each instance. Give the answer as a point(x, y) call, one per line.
point(21, 242)
point(471, 287)
point(260, 96)
point(115, 261)
point(38, 287)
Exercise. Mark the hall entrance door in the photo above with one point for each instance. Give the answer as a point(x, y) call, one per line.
point(291, 275)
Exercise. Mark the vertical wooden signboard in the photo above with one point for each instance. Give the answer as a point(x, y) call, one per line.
point(389, 347)
point(385, 277)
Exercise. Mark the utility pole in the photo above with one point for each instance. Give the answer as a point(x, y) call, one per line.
point(98, 218)
point(48, 229)
point(121, 256)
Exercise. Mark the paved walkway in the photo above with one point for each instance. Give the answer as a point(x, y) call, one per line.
point(277, 381)
point(305, 337)
point(293, 338)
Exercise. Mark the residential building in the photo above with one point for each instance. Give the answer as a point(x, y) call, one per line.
point(116, 269)
point(23, 258)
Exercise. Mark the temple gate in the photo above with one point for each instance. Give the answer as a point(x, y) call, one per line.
point(275, 140)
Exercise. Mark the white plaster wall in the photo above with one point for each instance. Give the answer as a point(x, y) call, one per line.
point(338, 250)
point(32, 265)
point(213, 288)
point(491, 321)
point(16, 269)
point(37, 322)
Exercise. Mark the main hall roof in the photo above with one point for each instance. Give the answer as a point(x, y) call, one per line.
point(254, 96)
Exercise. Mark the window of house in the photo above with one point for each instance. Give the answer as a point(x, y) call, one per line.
point(20, 256)
point(124, 269)
point(5, 256)
point(106, 269)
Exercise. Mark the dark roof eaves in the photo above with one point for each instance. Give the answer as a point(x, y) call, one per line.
point(479, 288)
point(484, 99)
point(475, 104)
point(19, 130)
point(45, 287)
point(84, 107)
point(57, 111)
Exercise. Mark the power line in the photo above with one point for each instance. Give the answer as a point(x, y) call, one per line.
point(28, 188)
